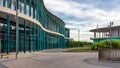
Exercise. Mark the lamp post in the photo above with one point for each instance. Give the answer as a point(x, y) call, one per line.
point(78, 36)
point(16, 28)
point(110, 36)
point(97, 34)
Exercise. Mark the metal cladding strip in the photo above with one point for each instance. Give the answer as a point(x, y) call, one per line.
point(67, 38)
point(13, 12)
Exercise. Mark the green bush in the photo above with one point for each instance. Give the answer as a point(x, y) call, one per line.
point(106, 44)
point(76, 44)
point(79, 44)
point(115, 44)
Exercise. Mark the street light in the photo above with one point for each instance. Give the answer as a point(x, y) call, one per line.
point(78, 36)
point(110, 36)
point(97, 34)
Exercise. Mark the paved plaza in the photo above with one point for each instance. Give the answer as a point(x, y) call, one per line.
point(56, 60)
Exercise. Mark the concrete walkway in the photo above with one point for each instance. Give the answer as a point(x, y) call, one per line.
point(3, 66)
point(51, 60)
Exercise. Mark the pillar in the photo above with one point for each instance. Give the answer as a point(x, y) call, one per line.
point(102, 34)
point(94, 34)
point(30, 4)
point(24, 27)
point(8, 4)
point(24, 6)
point(30, 37)
point(8, 27)
point(37, 38)
point(34, 37)
point(34, 9)
point(8, 34)
point(99, 35)
point(24, 36)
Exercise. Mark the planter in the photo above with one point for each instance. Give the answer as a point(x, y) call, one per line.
point(109, 54)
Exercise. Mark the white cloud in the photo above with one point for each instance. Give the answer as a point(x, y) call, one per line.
point(91, 15)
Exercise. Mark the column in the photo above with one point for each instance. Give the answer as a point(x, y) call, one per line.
point(8, 34)
point(44, 40)
point(118, 32)
point(41, 39)
point(24, 6)
point(30, 4)
point(8, 27)
point(34, 9)
point(105, 34)
point(24, 36)
point(30, 25)
point(8, 3)
point(99, 35)
point(58, 41)
point(37, 38)
point(34, 37)
point(94, 34)
point(102, 34)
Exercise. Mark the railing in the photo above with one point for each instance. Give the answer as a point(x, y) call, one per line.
point(104, 37)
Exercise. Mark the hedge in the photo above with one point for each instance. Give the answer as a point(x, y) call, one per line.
point(106, 44)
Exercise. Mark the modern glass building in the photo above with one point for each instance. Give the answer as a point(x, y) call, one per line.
point(103, 34)
point(38, 29)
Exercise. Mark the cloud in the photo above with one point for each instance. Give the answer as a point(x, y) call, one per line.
point(83, 16)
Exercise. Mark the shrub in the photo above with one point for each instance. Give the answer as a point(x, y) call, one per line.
point(79, 44)
point(106, 44)
point(116, 44)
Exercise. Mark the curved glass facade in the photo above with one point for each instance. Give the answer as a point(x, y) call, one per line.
point(32, 37)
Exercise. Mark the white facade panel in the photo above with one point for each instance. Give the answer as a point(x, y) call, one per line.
point(114, 32)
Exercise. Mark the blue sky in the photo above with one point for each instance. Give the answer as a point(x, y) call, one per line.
point(85, 14)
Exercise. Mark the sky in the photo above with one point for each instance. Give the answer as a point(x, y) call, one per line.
point(85, 15)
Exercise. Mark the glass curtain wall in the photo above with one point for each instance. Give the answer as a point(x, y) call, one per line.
point(31, 36)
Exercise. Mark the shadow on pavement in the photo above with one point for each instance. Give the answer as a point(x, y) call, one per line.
point(95, 61)
point(3, 66)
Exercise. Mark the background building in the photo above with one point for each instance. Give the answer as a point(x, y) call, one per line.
point(102, 34)
point(38, 28)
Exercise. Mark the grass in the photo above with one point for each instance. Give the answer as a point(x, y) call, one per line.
point(80, 49)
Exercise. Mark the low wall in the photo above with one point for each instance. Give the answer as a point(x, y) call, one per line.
point(109, 54)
